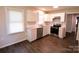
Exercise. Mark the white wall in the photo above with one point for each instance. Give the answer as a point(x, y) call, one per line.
point(74, 23)
point(69, 23)
point(5, 39)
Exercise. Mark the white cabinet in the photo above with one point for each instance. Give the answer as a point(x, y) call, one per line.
point(62, 32)
point(47, 18)
point(35, 16)
point(31, 16)
point(46, 30)
point(61, 15)
point(40, 17)
point(31, 34)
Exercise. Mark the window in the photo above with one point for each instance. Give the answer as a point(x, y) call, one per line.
point(16, 23)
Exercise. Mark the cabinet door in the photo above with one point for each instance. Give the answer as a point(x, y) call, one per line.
point(48, 29)
point(34, 34)
point(44, 31)
point(62, 32)
point(29, 35)
point(31, 16)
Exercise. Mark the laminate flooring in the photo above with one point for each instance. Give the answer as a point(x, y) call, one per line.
point(47, 44)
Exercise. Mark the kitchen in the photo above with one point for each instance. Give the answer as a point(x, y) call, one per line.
point(36, 24)
point(42, 23)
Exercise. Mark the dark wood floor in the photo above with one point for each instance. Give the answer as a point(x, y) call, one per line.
point(47, 44)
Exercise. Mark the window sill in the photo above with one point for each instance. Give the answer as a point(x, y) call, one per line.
point(16, 33)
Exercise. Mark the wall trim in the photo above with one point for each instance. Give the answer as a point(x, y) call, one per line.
point(8, 44)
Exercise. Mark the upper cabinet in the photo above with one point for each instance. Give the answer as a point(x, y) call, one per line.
point(61, 15)
point(31, 16)
point(47, 18)
point(35, 16)
point(40, 17)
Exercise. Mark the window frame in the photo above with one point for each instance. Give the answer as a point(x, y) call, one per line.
point(7, 19)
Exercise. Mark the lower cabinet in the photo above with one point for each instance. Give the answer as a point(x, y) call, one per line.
point(36, 33)
point(46, 30)
point(31, 34)
point(62, 32)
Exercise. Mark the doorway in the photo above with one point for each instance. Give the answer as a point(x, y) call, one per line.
point(77, 18)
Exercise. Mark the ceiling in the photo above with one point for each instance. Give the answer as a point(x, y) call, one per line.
point(51, 8)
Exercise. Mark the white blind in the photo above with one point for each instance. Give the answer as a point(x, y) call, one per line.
point(16, 23)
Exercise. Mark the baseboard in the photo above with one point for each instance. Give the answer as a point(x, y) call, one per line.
point(71, 32)
point(68, 32)
point(9, 44)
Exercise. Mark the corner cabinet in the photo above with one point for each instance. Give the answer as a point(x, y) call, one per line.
point(31, 34)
